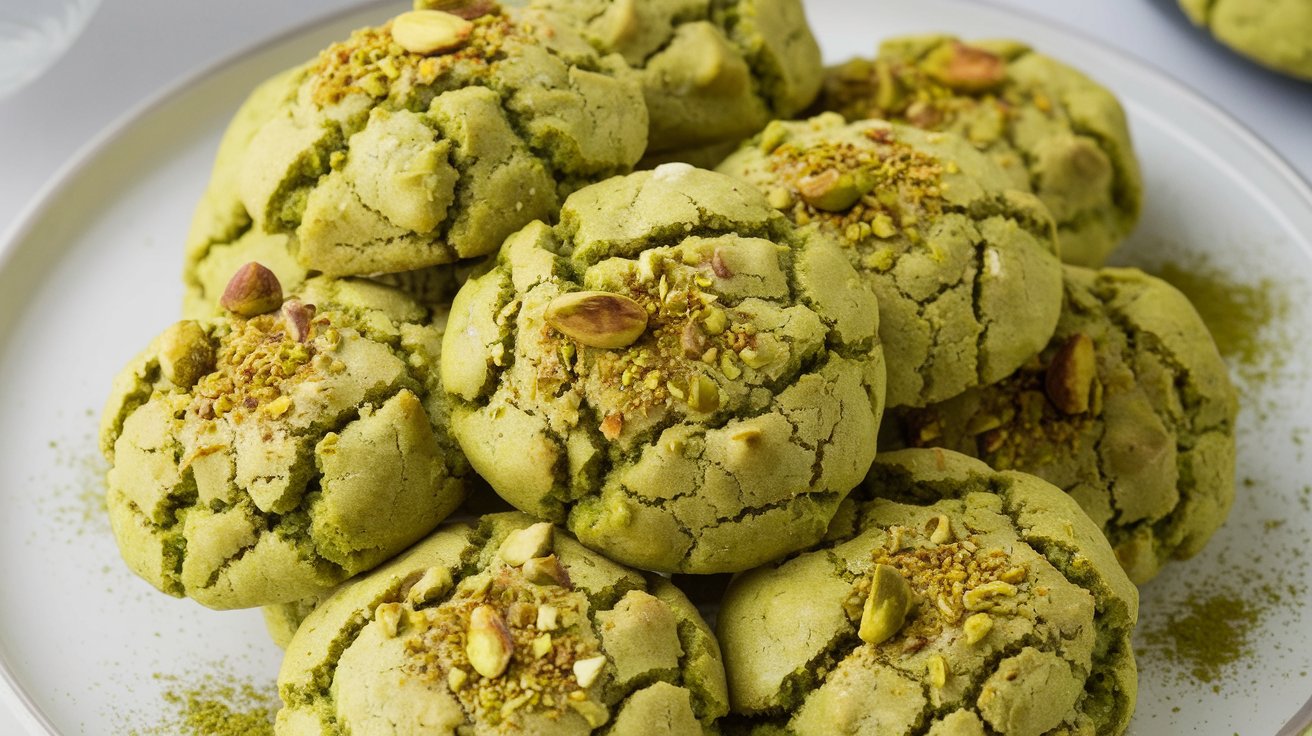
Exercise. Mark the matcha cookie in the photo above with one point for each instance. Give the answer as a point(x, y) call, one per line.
point(675, 372)
point(432, 137)
point(713, 73)
point(965, 268)
point(221, 238)
point(1275, 33)
point(508, 628)
point(264, 458)
point(958, 601)
point(1129, 409)
point(1048, 126)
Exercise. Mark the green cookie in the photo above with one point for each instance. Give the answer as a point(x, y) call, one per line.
point(1048, 125)
point(508, 628)
point(1276, 33)
point(1129, 409)
point(431, 138)
point(713, 73)
point(959, 601)
point(674, 372)
point(263, 460)
point(964, 266)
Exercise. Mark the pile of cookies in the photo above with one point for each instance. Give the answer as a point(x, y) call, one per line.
point(867, 362)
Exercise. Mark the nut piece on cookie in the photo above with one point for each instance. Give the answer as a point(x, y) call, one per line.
point(1019, 625)
point(674, 373)
point(498, 652)
point(964, 263)
point(248, 455)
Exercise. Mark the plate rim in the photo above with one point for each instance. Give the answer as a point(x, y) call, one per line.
point(15, 697)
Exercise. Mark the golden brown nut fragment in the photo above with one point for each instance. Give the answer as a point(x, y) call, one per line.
point(488, 643)
point(1069, 381)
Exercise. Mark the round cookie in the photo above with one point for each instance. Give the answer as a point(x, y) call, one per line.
point(263, 459)
point(677, 374)
point(221, 238)
point(1129, 409)
point(964, 266)
point(713, 73)
point(507, 628)
point(958, 601)
point(1275, 33)
point(432, 137)
point(1048, 125)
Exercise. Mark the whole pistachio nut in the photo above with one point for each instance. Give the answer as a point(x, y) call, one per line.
point(886, 606)
point(598, 319)
point(429, 32)
point(487, 642)
point(253, 290)
point(1070, 376)
point(185, 354)
point(467, 9)
point(965, 68)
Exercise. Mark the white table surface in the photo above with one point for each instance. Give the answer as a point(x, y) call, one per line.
point(133, 48)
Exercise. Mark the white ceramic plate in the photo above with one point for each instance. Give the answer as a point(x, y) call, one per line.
point(89, 276)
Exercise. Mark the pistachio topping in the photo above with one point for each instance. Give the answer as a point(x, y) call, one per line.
point(467, 9)
point(1070, 376)
point(976, 627)
point(522, 545)
point(488, 643)
point(964, 68)
point(937, 669)
point(430, 31)
point(860, 193)
point(951, 580)
point(257, 362)
point(886, 605)
point(185, 354)
point(598, 319)
point(504, 643)
point(586, 671)
point(253, 290)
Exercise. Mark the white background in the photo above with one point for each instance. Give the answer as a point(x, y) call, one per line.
point(132, 49)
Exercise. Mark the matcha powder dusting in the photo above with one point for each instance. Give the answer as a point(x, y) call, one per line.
point(1209, 634)
point(1235, 313)
point(216, 705)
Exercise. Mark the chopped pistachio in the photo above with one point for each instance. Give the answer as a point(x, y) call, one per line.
point(487, 642)
point(886, 605)
point(587, 670)
point(523, 545)
point(980, 597)
point(977, 626)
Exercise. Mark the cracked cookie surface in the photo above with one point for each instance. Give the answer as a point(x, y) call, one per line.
point(507, 627)
point(1129, 409)
point(713, 73)
point(263, 460)
point(1275, 33)
point(948, 599)
point(674, 372)
point(1051, 128)
point(383, 158)
point(964, 266)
